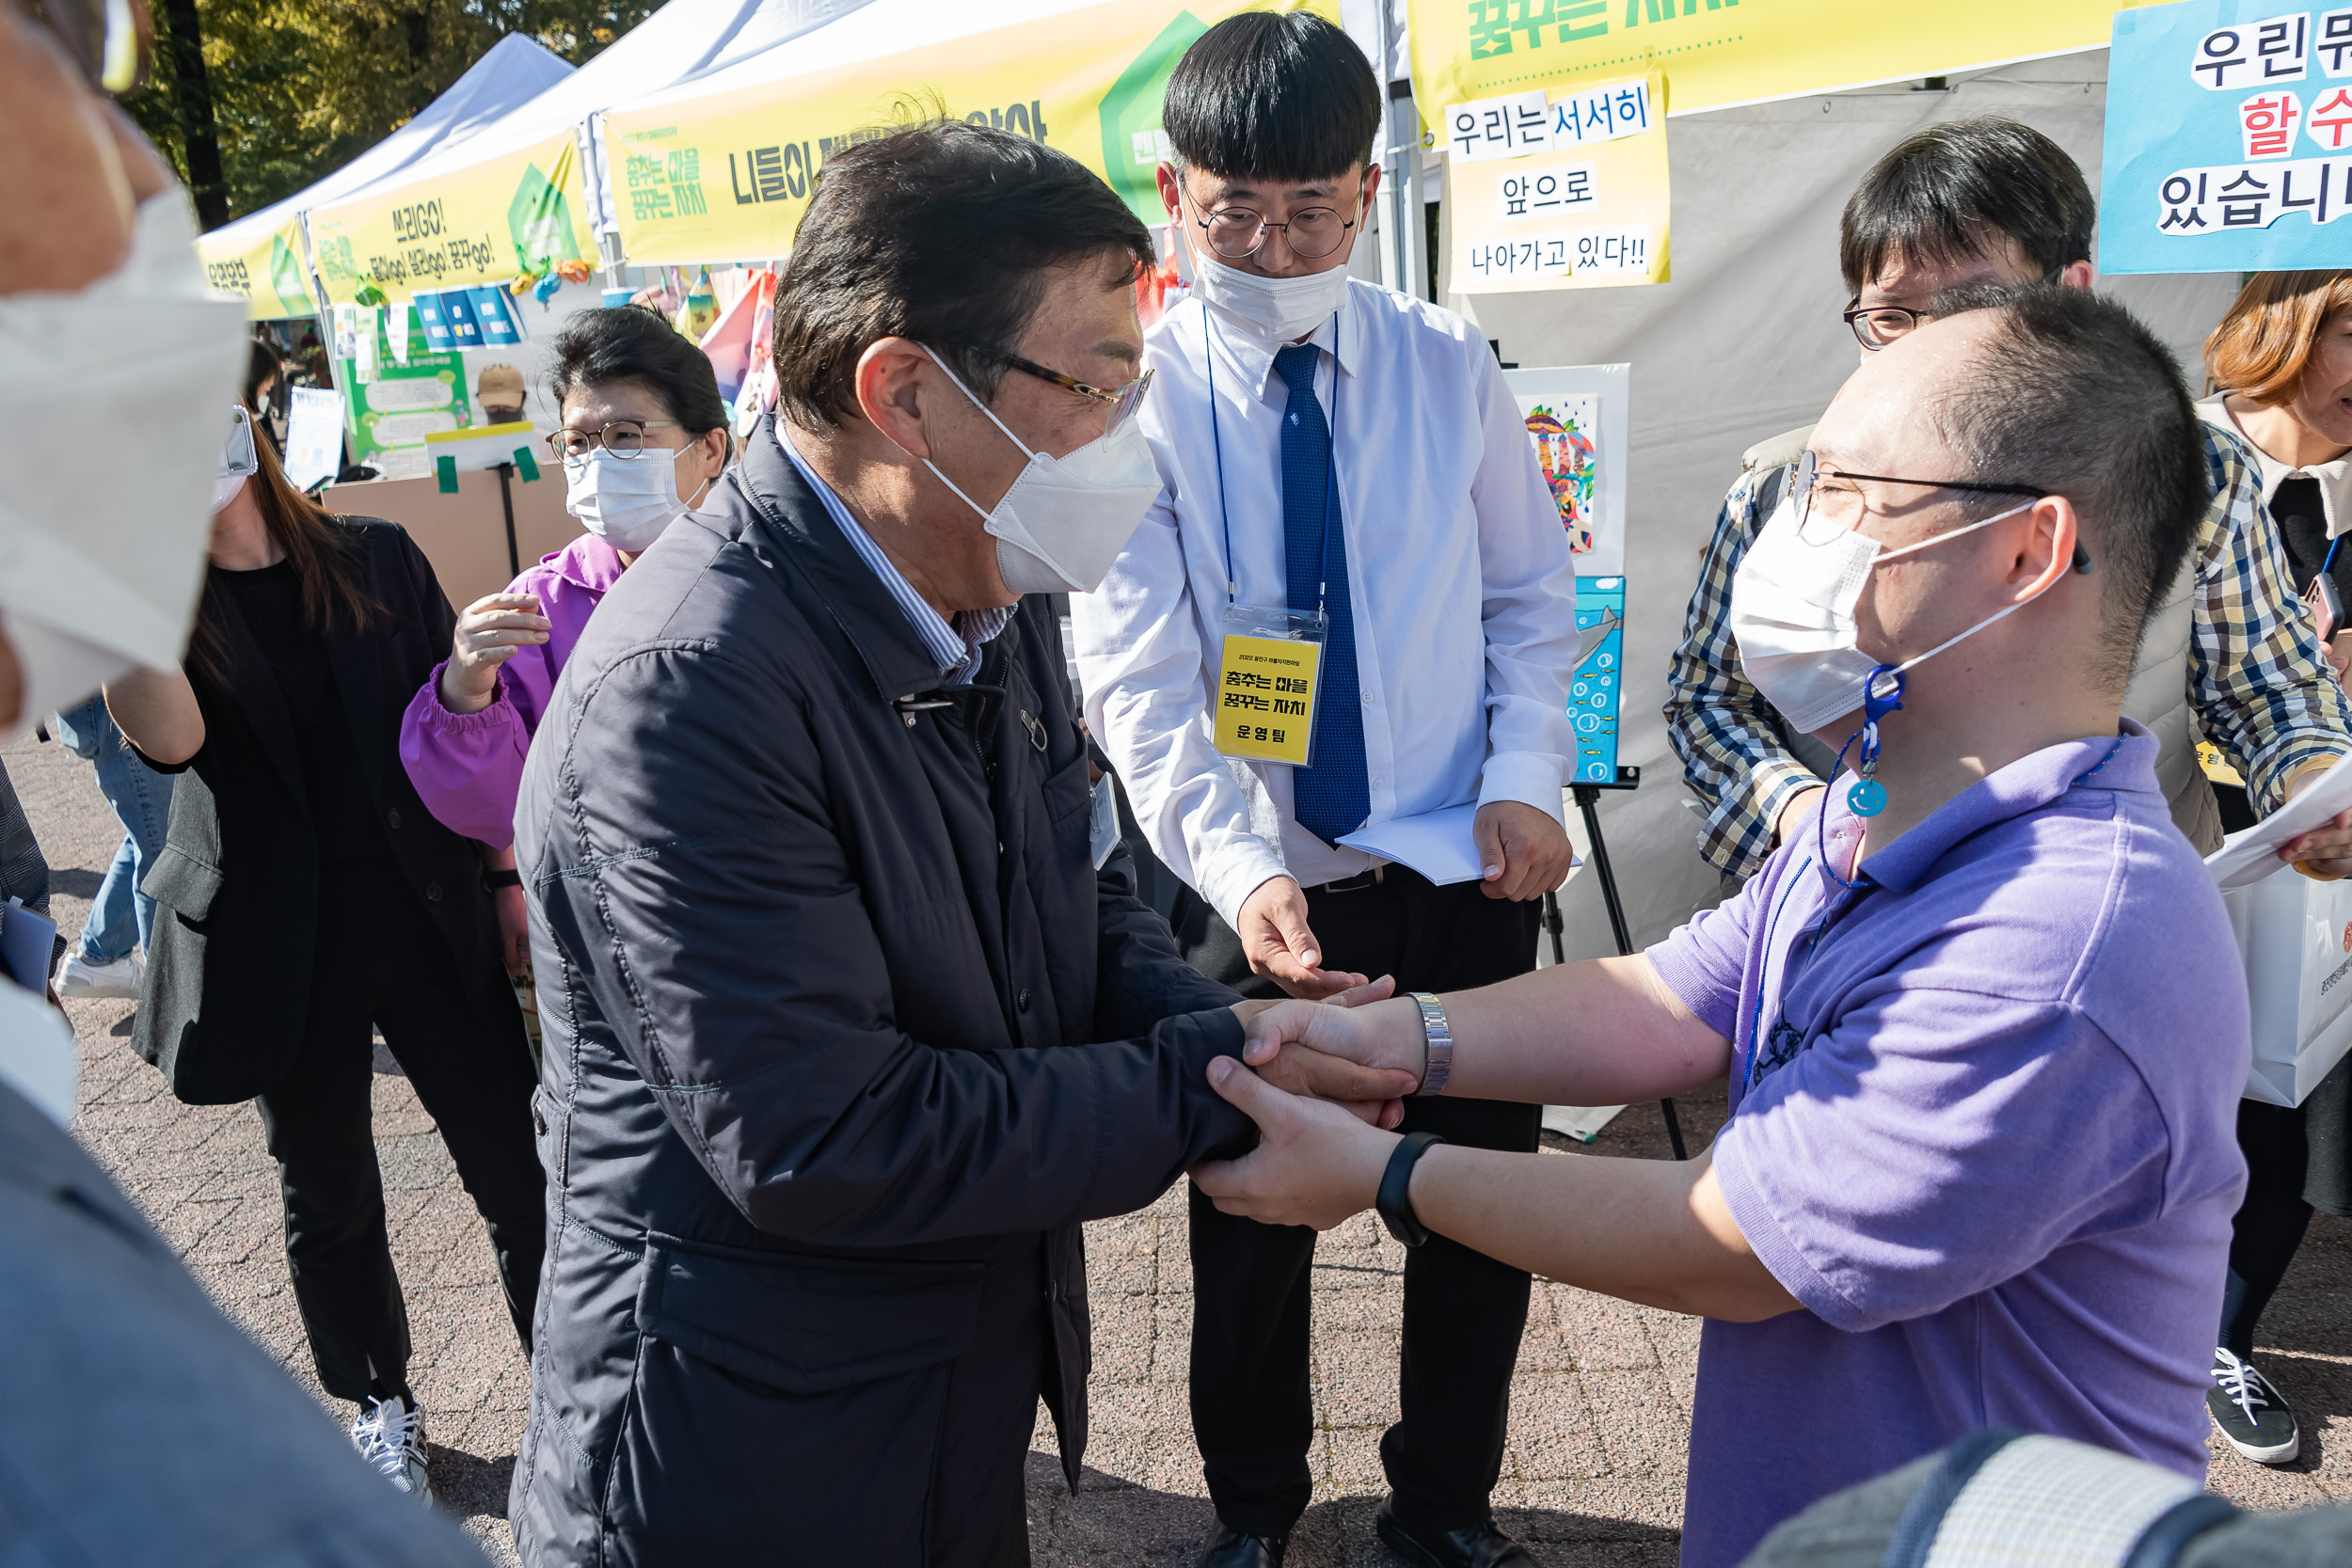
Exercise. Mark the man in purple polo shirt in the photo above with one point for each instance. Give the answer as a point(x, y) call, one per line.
point(1983, 1022)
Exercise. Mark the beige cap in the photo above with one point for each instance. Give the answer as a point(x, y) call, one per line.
point(500, 389)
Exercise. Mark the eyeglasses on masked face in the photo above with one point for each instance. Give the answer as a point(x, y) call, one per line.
point(1124, 400)
point(1876, 325)
point(1312, 232)
point(623, 438)
point(110, 40)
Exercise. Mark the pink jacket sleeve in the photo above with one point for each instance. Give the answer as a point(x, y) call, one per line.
point(468, 768)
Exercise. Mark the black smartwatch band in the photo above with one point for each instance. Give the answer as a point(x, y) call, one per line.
point(509, 878)
point(1396, 1208)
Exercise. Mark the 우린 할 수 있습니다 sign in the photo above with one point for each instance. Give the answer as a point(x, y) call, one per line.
point(2229, 138)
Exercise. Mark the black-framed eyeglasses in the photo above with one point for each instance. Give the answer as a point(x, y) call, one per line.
point(1312, 232)
point(1124, 400)
point(621, 437)
point(1803, 483)
point(1877, 326)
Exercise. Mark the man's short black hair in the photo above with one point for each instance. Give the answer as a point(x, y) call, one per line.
point(1277, 96)
point(629, 343)
point(2073, 395)
point(1952, 192)
point(943, 233)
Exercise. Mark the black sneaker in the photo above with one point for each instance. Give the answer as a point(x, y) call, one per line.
point(2251, 1413)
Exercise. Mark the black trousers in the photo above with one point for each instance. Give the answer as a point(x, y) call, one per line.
point(380, 963)
point(2297, 1159)
point(1251, 1413)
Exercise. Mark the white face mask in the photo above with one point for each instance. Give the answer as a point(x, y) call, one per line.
point(627, 502)
point(1792, 615)
point(105, 558)
point(1280, 309)
point(1065, 519)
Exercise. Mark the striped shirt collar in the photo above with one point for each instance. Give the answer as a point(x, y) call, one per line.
point(955, 648)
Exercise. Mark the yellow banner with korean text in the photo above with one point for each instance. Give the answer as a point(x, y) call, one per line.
point(1559, 191)
point(265, 267)
point(1718, 52)
point(519, 214)
point(726, 178)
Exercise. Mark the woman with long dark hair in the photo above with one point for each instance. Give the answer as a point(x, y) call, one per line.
point(306, 898)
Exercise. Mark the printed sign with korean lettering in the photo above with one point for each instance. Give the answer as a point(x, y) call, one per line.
point(1584, 205)
point(1719, 53)
point(2229, 138)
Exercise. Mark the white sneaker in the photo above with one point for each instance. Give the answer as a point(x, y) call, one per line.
point(390, 1436)
point(78, 976)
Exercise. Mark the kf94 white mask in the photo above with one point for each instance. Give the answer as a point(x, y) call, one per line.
point(627, 502)
point(1792, 615)
point(1280, 309)
point(102, 559)
point(1064, 522)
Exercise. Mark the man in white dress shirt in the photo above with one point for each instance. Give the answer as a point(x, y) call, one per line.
point(1342, 462)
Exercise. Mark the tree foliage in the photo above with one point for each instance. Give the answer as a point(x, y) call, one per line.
point(300, 86)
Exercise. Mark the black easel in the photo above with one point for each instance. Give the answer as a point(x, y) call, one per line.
point(1587, 801)
point(506, 500)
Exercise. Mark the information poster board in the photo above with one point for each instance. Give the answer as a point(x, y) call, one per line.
point(1564, 190)
point(2229, 138)
point(397, 405)
point(1593, 694)
point(1578, 419)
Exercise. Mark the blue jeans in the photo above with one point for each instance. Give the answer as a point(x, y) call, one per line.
point(119, 916)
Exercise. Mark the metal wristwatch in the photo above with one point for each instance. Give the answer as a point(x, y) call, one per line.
point(1438, 1039)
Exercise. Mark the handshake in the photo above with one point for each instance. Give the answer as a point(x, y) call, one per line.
point(1325, 1082)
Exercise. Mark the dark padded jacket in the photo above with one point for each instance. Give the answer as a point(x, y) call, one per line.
point(844, 1036)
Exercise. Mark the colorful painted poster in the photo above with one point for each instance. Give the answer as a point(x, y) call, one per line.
point(726, 177)
point(1559, 193)
point(2229, 138)
point(515, 215)
point(1567, 432)
point(1717, 53)
point(1593, 694)
point(1578, 422)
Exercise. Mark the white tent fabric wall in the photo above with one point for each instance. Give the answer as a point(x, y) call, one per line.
point(510, 74)
point(1745, 343)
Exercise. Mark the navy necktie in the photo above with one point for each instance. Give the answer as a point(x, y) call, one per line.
point(1329, 796)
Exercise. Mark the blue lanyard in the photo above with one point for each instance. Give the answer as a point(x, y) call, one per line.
point(1330, 472)
point(2324, 565)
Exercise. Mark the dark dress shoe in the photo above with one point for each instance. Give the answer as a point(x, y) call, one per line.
point(1480, 1546)
point(1230, 1548)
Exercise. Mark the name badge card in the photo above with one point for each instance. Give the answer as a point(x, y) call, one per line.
point(1266, 684)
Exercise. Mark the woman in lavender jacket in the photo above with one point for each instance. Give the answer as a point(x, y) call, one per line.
point(644, 437)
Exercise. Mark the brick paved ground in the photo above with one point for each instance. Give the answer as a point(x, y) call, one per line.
point(1601, 1411)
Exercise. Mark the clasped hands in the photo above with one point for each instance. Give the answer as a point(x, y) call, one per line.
point(1324, 1083)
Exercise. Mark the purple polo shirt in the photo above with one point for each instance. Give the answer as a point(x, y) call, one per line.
point(1989, 1142)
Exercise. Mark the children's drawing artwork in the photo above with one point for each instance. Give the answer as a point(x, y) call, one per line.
point(1567, 432)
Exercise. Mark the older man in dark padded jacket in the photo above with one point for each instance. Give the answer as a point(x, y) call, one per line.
point(825, 962)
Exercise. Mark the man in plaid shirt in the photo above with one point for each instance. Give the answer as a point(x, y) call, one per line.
point(1990, 200)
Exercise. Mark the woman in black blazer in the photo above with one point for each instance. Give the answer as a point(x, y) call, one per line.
point(306, 897)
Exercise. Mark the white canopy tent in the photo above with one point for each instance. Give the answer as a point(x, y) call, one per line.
point(514, 70)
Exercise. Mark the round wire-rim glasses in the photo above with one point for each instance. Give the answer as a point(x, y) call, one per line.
point(623, 438)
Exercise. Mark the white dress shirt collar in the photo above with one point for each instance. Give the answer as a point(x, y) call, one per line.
point(955, 648)
point(1249, 357)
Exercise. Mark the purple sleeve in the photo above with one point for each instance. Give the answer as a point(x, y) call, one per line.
point(1933, 1145)
point(1705, 962)
point(466, 766)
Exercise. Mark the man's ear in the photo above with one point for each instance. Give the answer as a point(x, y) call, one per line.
point(889, 383)
point(1171, 193)
point(2054, 546)
point(1372, 192)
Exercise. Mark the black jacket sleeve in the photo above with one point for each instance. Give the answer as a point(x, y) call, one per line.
point(706, 849)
